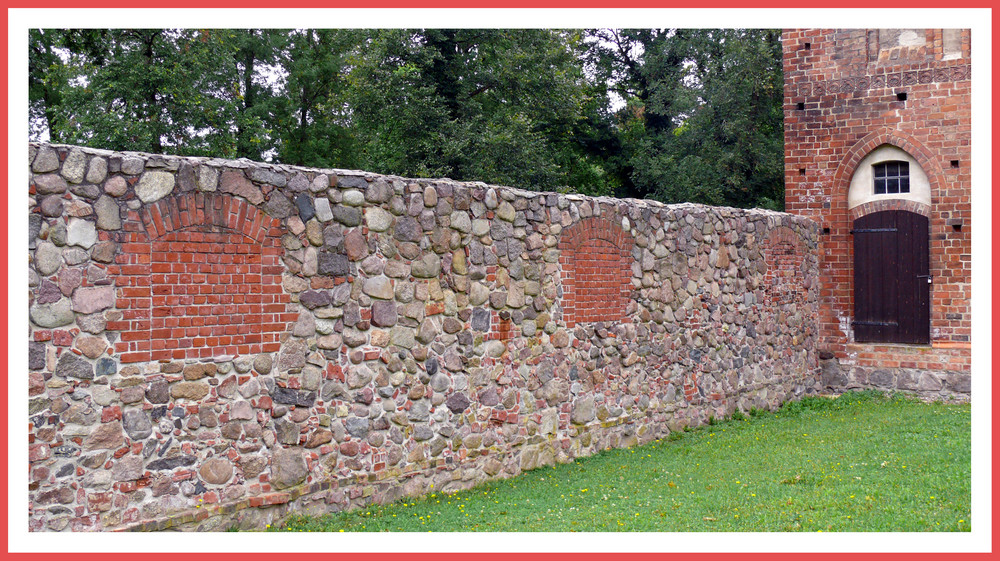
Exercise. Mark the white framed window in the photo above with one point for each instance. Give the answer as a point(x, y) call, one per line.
point(891, 177)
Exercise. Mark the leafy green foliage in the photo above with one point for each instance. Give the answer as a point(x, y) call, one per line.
point(862, 462)
point(696, 116)
point(140, 93)
point(702, 120)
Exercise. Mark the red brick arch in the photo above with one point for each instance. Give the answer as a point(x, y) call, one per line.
point(596, 259)
point(880, 137)
point(889, 204)
point(783, 255)
point(201, 278)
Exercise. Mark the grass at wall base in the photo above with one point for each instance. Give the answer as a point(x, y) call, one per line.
point(863, 462)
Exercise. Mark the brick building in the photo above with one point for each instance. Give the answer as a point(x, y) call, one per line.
point(877, 151)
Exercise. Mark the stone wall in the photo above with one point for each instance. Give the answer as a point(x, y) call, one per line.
point(216, 342)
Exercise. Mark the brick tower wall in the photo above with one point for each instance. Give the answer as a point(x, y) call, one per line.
point(848, 92)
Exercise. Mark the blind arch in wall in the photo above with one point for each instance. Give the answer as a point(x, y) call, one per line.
point(596, 259)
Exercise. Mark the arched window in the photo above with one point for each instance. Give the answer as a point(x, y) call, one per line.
point(888, 172)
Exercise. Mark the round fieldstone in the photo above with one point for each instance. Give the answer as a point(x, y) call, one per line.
point(355, 245)
point(378, 191)
point(293, 355)
point(56, 314)
point(402, 336)
point(189, 390)
point(52, 206)
point(279, 206)
point(322, 210)
point(137, 424)
point(106, 436)
point(50, 184)
point(378, 220)
point(267, 176)
point(82, 233)
point(154, 185)
point(584, 411)
point(48, 258)
point(439, 382)
point(106, 367)
point(75, 255)
point(347, 215)
point(108, 213)
point(72, 366)
point(384, 313)
point(92, 323)
point(460, 221)
point(216, 470)
point(116, 186)
point(128, 468)
point(378, 287)
point(75, 166)
point(103, 395)
point(262, 363)
point(354, 338)
point(428, 266)
point(357, 427)
point(288, 468)
point(242, 410)
point(318, 437)
point(234, 181)
point(97, 170)
point(407, 229)
point(353, 197)
point(359, 376)
point(286, 432)
point(48, 292)
point(313, 299)
point(90, 346)
point(457, 402)
point(45, 161)
point(87, 300)
point(69, 279)
point(133, 394)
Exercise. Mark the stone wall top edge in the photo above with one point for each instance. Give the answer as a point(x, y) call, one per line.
point(244, 163)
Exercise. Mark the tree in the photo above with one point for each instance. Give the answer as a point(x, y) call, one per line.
point(501, 106)
point(697, 116)
point(314, 118)
point(155, 90)
point(701, 120)
point(258, 55)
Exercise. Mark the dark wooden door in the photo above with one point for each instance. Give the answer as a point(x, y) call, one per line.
point(891, 278)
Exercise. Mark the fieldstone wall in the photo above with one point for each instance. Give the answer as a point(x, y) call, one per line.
point(217, 342)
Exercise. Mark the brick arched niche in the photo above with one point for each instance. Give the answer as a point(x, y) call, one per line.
point(785, 259)
point(596, 259)
point(891, 140)
point(203, 282)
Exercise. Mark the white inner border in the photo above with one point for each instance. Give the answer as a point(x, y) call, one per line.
point(979, 20)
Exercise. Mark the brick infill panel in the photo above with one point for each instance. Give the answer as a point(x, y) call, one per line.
point(596, 259)
point(201, 279)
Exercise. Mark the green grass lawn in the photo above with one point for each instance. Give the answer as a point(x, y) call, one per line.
point(858, 463)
